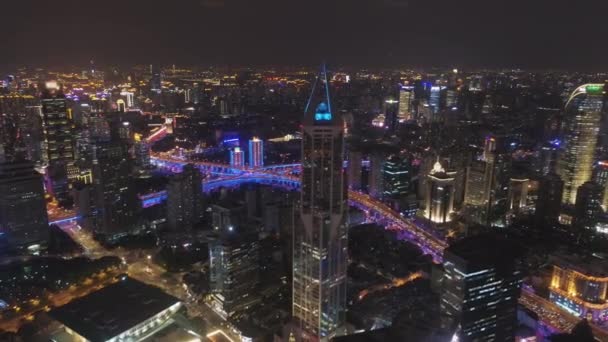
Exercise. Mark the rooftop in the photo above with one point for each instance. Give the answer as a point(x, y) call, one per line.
point(114, 309)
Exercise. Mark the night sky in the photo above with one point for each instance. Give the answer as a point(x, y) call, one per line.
point(494, 33)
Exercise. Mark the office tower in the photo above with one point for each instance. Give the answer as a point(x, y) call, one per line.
point(354, 170)
point(376, 184)
point(451, 99)
point(84, 201)
point(406, 96)
point(600, 177)
point(156, 79)
point(581, 130)
point(320, 238)
point(547, 157)
point(59, 139)
point(256, 153)
point(588, 205)
point(435, 98)
point(481, 287)
point(487, 183)
point(396, 176)
point(548, 204)
point(142, 155)
point(130, 98)
point(518, 194)
point(121, 106)
point(115, 200)
point(23, 217)
point(237, 157)
point(439, 194)
point(391, 110)
point(234, 271)
point(185, 199)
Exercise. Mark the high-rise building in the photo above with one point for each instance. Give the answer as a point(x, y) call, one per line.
point(23, 217)
point(547, 157)
point(320, 238)
point(142, 155)
point(406, 96)
point(115, 199)
point(600, 176)
point(396, 177)
point(487, 183)
point(234, 271)
point(185, 199)
point(518, 194)
point(59, 139)
point(588, 206)
point(376, 179)
point(548, 204)
point(156, 78)
point(481, 287)
point(391, 110)
point(237, 157)
point(354, 170)
point(439, 194)
point(256, 153)
point(583, 114)
point(435, 98)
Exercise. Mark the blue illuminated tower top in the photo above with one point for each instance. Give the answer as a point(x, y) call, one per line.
point(318, 109)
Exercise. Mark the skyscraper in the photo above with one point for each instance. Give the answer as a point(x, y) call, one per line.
point(237, 157)
point(439, 194)
point(256, 153)
point(583, 114)
point(376, 180)
point(354, 170)
point(548, 204)
point(185, 199)
point(59, 139)
point(234, 268)
point(391, 110)
point(23, 217)
point(600, 176)
point(320, 238)
point(396, 177)
point(406, 96)
point(588, 206)
point(115, 198)
point(481, 287)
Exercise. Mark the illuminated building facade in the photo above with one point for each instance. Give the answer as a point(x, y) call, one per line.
point(481, 287)
point(439, 194)
point(518, 194)
point(237, 157)
point(391, 110)
point(396, 177)
point(234, 271)
point(579, 286)
point(58, 138)
point(583, 114)
point(320, 236)
point(600, 176)
point(256, 153)
point(406, 96)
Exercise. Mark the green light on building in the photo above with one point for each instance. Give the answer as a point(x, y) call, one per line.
point(594, 89)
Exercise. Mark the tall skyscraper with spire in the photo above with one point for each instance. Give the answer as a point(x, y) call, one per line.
point(584, 111)
point(320, 236)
